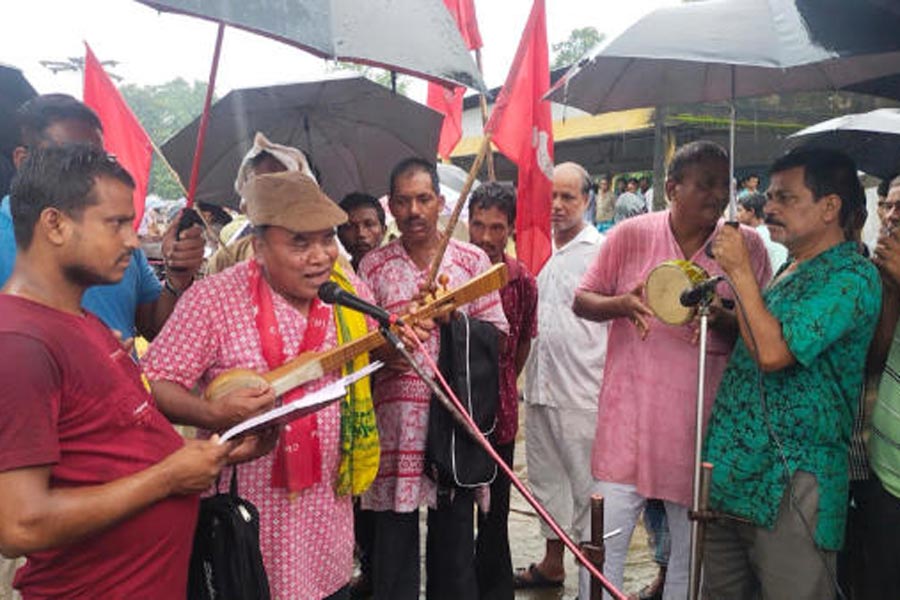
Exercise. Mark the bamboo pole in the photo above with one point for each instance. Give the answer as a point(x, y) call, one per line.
point(454, 217)
point(482, 100)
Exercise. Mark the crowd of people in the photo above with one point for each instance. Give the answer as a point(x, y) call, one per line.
point(802, 392)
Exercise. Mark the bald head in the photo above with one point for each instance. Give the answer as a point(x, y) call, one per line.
point(571, 190)
point(573, 169)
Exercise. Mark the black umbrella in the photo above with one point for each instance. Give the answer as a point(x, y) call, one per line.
point(418, 37)
point(14, 90)
point(725, 49)
point(354, 130)
point(872, 139)
point(413, 36)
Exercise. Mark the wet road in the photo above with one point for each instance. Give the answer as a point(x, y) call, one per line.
point(528, 546)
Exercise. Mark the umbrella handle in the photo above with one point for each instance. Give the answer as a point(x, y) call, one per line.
point(457, 210)
point(204, 119)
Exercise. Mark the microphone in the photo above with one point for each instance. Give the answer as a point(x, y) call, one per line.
point(692, 296)
point(332, 293)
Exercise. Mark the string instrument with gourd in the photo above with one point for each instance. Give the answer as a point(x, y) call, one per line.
point(313, 365)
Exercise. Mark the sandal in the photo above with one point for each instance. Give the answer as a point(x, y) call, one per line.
point(532, 578)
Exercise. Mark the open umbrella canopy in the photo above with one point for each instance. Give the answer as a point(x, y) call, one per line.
point(872, 139)
point(14, 90)
point(354, 130)
point(723, 49)
point(418, 37)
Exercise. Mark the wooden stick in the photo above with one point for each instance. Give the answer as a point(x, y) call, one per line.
point(454, 217)
point(482, 100)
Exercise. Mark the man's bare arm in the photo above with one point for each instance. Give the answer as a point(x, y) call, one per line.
point(35, 516)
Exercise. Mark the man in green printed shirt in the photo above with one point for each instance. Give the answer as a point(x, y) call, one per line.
point(780, 429)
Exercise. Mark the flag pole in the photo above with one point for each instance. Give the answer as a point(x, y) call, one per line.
point(457, 210)
point(492, 175)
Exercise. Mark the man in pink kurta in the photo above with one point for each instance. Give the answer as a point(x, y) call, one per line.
point(402, 399)
point(306, 536)
point(644, 444)
point(395, 273)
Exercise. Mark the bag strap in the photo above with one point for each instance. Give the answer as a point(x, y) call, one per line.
point(233, 487)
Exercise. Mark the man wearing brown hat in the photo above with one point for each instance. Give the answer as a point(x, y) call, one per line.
point(257, 315)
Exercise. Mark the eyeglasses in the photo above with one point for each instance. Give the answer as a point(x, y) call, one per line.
point(889, 206)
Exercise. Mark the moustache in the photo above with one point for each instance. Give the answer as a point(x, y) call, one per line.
point(414, 221)
point(772, 221)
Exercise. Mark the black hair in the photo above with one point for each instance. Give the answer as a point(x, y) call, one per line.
point(35, 116)
point(755, 202)
point(355, 200)
point(825, 172)
point(885, 186)
point(408, 166)
point(693, 153)
point(263, 155)
point(218, 215)
point(62, 177)
point(493, 194)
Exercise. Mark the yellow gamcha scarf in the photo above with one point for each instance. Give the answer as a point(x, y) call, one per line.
point(360, 449)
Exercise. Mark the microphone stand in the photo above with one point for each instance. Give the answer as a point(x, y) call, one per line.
point(466, 422)
point(702, 471)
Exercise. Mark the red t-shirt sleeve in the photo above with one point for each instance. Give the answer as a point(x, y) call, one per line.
point(29, 403)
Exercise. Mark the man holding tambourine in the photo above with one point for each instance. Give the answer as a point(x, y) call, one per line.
point(644, 447)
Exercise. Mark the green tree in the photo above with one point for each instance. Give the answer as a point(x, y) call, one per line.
point(581, 40)
point(379, 76)
point(164, 110)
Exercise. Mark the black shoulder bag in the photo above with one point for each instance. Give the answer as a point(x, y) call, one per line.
point(226, 562)
point(470, 364)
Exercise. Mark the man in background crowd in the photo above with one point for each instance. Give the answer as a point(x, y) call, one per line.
point(492, 217)
point(365, 226)
point(563, 379)
point(138, 303)
point(750, 213)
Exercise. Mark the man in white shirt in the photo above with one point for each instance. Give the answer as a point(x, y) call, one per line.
point(750, 213)
point(563, 377)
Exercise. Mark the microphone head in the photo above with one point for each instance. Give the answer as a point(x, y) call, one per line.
point(329, 292)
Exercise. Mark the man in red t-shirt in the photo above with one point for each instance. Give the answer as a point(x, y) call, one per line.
point(99, 491)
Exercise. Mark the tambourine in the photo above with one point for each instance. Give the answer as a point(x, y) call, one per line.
point(665, 283)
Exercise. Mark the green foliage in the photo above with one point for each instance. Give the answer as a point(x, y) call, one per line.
point(581, 40)
point(164, 110)
point(379, 76)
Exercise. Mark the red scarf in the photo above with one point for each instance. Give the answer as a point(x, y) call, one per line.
point(298, 457)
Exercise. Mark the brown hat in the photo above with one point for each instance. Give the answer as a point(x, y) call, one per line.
point(291, 200)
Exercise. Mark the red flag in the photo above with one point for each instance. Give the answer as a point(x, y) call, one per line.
point(463, 12)
point(123, 134)
point(449, 101)
point(522, 129)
